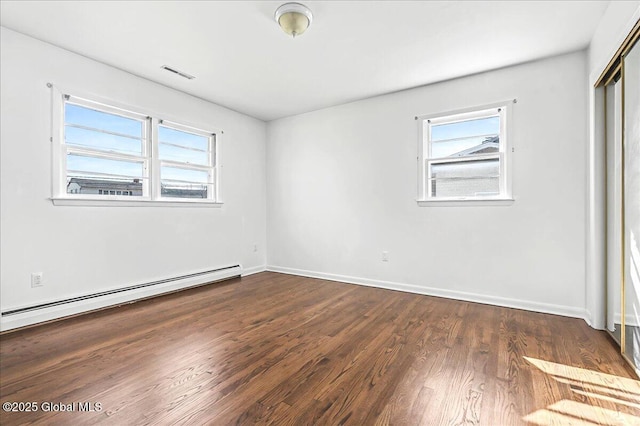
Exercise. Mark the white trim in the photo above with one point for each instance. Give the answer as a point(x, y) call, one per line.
point(595, 217)
point(479, 108)
point(547, 308)
point(106, 155)
point(589, 319)
point(505, 155)
point(96, 98)
point(10, 322)
point(149, 157)
point(421, 160)
point(469, 158)
point(253, 270)
point(58, 160)
point(629, 320)
point(186, 128)
point(92, 202)
point(154, 161)
point(218, 167)
point(185, 166)
point(472, 202)
point(124, 112)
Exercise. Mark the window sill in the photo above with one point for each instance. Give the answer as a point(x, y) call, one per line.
point(91, 202)
point(466, 202)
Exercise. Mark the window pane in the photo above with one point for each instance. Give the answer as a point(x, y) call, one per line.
point(99, 185)
point(465, 179)
point(87, 117)
point(80, 165)
point(181, 138)
point(184, 183)
point(489, 126)
point(465, 147)
point(183, 190)
point(103, 141)
point(184, 175)
point(189, 156)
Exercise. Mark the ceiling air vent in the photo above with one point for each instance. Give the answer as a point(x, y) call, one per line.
point(180, 73)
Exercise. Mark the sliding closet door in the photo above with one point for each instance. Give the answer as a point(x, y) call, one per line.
point(631, 201)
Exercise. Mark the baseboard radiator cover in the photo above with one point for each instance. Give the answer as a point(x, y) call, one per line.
point(30, 315)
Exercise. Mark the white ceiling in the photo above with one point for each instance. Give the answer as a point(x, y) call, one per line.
point(353, 49)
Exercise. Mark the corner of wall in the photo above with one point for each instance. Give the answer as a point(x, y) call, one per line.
point(616, 23)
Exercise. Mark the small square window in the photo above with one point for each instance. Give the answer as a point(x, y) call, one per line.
point(463, 156)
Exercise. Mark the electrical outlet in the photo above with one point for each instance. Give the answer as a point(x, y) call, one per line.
point(255, 247)
point(385, 256)
point(36, 279)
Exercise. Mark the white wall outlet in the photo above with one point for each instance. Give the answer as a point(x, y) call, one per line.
point(255, 247)
point(385, 256)
point(36, 279)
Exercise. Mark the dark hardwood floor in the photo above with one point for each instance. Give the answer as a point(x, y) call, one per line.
point(280, 349)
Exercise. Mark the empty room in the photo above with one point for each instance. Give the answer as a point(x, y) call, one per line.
point(320, 213)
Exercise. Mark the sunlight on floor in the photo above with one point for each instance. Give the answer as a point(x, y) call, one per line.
point(620, 394)
point(576, 413)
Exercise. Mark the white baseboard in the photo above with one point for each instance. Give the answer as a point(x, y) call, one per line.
point(253, 270)
point(630, 319)
point(22, 319)
point(589, 320)
point(547, 308)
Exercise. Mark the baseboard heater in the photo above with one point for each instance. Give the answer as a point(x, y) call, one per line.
point(115, 297)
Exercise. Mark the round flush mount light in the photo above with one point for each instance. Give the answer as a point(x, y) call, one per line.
point(293, 18)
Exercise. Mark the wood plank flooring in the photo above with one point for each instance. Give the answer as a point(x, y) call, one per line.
point(286, 350)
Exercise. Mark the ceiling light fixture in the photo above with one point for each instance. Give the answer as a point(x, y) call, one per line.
point(293, 18)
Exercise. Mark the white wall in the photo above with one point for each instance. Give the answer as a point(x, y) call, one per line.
point(614, 26)
point(342, 188)
point(82, 250)
point(612, 29)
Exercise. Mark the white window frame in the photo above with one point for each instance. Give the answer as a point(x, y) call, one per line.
point(211, 168)
point(425, 160)
point(143, 158)
point(149, 156)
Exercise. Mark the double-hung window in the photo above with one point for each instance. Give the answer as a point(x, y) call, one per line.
point(109, 154)
point(105, 151)
point(464, 156)
point(185, 162)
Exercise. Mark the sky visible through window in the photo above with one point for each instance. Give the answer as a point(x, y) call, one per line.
point(467, 138)
point(86, 127)
point(452, 138)
point(177, 145)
